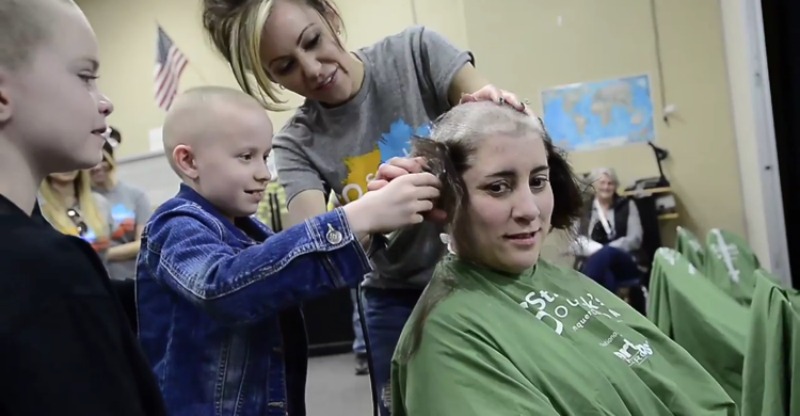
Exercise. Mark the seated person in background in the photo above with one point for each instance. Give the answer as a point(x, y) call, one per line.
point(71, 207)
point(501, 332)
point(609, 233)
point(218, 293)
point(129, 208)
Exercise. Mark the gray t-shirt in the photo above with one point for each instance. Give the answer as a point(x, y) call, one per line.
point(406, 81)
point(128, 208)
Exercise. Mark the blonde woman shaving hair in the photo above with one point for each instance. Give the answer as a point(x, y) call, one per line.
point(68, 203)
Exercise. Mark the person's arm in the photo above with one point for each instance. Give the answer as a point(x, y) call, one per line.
point(183, 249)
point(305, 191)
point(467, 81)
point(142, 212)
point(456, 372)
point(127, 251)
point(633, 238)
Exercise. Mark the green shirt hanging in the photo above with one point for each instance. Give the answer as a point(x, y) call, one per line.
point(699, 316)
point(731, 264)
point(691, 247)
point(772, 363)
point(546, 342)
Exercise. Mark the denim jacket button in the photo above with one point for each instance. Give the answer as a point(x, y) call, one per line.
point(334, 237)
point(276, 404)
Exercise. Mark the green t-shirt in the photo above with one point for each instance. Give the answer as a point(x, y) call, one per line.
point(547, 342)
point(731, 264)
point(700, 317)
point(772, 363)
point(691, 247)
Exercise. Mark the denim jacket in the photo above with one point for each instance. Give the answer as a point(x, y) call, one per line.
point(219, 316)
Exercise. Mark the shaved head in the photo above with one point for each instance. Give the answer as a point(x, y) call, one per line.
point(218, 140)
point(25, 27)
point(201, 117)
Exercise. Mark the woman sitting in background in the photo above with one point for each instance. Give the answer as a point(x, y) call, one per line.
point(130, 210)
point(499, 331)
point(610, 233)
point(70, 206)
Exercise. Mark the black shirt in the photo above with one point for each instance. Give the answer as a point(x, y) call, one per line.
point(66, 347)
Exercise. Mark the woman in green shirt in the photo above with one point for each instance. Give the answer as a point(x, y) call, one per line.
point(501, 332)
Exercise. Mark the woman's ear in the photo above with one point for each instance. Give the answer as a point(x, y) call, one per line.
point(5, 96)
point(185, 162)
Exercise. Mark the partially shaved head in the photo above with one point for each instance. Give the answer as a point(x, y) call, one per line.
point(25, 26)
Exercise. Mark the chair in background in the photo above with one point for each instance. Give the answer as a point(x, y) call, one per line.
point(634, 289)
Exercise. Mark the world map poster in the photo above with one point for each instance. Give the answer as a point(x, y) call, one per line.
point(600, 114)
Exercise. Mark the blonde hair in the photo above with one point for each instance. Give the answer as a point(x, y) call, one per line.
point(25, 27)
point(55, 210)
point(599, 172)
point(235, 28)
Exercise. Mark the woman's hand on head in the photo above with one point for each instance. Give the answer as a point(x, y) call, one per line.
point(497, 95)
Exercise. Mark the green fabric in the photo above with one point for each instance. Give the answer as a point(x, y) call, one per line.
point(772, 364)
point(731, 264)
point(691, 247)
point(546, 342)
point(700, 317)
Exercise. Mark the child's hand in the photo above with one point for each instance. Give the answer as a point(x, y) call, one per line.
point(393, 168)
point(397, 167)
point(399, 203)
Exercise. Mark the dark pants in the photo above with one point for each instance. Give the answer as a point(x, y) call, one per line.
point(386, 312)
point(609, 266)
point(359, 345)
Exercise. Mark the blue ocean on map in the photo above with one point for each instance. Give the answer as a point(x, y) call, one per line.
point(594, 115)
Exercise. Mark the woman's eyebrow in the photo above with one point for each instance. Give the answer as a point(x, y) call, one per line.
point(511, 173)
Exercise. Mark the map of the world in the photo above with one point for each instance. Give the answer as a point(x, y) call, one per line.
point(593, 115)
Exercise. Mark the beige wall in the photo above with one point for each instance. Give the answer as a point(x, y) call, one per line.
point(521, 45)
point(526, 46)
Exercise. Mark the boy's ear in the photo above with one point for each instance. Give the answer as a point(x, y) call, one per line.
point(5, 96)
point(184, 159)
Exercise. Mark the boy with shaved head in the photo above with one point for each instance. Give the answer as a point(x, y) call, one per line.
point(219, 293)
point(65, 345)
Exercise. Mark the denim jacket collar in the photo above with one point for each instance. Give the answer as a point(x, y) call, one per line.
point(237, 228)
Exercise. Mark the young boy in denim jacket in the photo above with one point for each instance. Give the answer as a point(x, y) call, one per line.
point(218, 293)
point(66, 347)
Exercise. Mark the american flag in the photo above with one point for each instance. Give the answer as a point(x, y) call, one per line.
point(170, 63)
